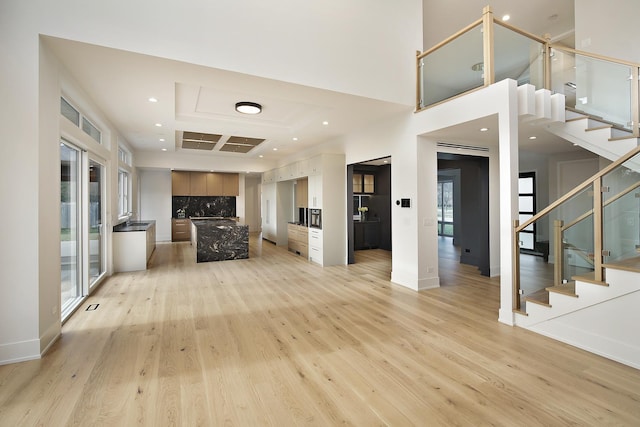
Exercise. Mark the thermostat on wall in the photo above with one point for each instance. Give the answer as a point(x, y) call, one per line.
point(405, 203)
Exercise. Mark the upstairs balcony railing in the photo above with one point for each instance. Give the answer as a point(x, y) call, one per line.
point(490, 50)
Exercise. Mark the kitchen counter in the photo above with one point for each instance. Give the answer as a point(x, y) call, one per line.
point(134, 226)
point(133, 244)
point(219, 239)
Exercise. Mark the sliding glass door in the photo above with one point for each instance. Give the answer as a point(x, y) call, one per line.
point(82, 257)
point(70, 227)
point(96, 229)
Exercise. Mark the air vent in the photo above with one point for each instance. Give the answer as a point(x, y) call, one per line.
point(462, 147)
point(199, 141)
point(239, 144)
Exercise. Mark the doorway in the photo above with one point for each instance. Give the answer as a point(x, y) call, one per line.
point(369, 202)
point(463, 209)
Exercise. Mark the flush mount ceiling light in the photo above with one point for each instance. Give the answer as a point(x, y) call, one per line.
point(245, 107)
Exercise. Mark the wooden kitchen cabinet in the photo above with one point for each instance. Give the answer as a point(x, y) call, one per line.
point(180, 229)
point(302, 193)
point(214, 184)
point(180, 183)
point(298, 239)
point(231, 184)
point(198, 184)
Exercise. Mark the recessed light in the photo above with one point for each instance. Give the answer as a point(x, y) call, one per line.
point(295, 139)
point(261, 156)
point(159, 125)
point(506, 17)
point(386, 161)
point(484, 129)
point(164, 149)
point(152, 99)
point(210, 170)
point(325, 123)
point(161, 139)
point(533, 137)
point(245, 107)
point(275, 149)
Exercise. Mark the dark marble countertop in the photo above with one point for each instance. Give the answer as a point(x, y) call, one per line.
point(141, 225)
point(214, 222)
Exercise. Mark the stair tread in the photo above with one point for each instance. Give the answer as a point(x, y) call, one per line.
point(589, 278)
point(630, 264)
point(622, 138)
point(568, 288)
point(598, 128)
point(609, 124)
point(539, 297)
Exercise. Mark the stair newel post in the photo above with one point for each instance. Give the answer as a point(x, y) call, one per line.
point(597, 228)
point(558, 246)
point(487, 44)
point(516, 266)
point(635, 102)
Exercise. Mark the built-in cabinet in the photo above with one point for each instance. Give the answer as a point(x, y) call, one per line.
point(298, 239)
point(190, 183)
point(363, 183)
point(316, 252)
point(302, 193)
point(180, 183)
point(180, 229)
point(315, 191)
point(366, 234)
point(326, 188)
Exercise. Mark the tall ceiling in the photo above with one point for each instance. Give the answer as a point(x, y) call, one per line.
point(197, 99)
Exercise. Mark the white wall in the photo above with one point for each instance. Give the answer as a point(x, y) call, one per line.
point(155, 201)
point(614, 34)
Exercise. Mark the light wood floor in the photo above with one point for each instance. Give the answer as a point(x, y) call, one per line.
point(277, 341)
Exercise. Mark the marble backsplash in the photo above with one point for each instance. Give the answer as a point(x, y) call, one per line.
point(204, 206)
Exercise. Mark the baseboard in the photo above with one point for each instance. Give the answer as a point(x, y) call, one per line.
point(19, 351)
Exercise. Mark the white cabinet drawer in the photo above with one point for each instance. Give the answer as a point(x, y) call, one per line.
point(315, 238)
point(315, 254)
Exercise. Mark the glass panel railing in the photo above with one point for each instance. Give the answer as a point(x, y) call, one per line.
point(564, 244)
point(597, 87)
point(518, 57)
point(452, 69)
point(621, 214)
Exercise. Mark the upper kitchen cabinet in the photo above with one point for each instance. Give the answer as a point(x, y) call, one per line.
point(215, 183)
point(363, 183)
point(180, 183)
point(302, 193)
point(198, 184)
point(231, 184)
point(185, 183)
point(357, 183)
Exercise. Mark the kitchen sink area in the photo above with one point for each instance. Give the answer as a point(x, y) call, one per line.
point(133, 244)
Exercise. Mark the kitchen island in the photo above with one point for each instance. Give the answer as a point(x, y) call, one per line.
point(133, 244)
point(219, 239)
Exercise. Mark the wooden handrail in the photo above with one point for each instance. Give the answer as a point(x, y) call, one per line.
point(578, 189)
point(519, 31)
point(594, 55)
point(604, 204)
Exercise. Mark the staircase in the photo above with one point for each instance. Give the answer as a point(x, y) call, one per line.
point(599, 316)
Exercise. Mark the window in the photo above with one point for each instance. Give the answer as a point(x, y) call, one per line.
point(91, 130)
point(123, 193)
point(69, 112)
point(74, 115)
point(124, 156)
point(527, 208)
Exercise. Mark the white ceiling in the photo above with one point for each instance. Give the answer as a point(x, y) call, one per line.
point(201, 99)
